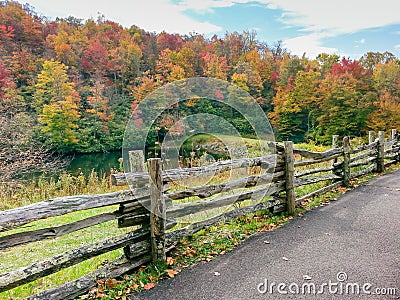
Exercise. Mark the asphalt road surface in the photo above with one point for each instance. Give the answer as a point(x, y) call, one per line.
point(349, 249)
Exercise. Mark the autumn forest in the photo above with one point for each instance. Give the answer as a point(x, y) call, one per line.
point(70, 85)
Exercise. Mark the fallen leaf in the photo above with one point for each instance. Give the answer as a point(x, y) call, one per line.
point(111, 283)
point(171, 273)
point(170, 261)
point(135, 286)
point(217, 274)
point(306, 277)
point(100, 289)
point(285, 258)
point(149, 286)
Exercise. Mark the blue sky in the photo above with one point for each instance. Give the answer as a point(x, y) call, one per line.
point(349, 28)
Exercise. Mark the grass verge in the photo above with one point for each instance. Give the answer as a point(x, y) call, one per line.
point(209, 243)
point(20, 194)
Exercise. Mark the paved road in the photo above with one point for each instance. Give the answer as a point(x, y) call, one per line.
point(359, 235)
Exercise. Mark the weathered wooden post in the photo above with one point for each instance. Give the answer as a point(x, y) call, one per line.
point(289, 177)
point(370, 137)
point(136, 161)
point(136, 164)
point(346, 161)
point(335, 139)
point(394, 137)
point(394, 134)
point(380, 161)
point(157, 210)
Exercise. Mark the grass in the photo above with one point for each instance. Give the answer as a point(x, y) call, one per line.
point(253, 147)
point(26, 254)
point(20, 194)
point(211, 242)
point(23, 194)
point(204, 245)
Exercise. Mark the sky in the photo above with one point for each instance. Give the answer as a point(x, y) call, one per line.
point(348, 28)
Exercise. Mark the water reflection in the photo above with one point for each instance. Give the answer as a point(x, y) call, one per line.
point(101, 163)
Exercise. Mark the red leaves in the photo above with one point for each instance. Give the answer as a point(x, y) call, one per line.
point(5, 79)
point(169, 41)
point(218, 94)
point(95, 58)
point(6, 32)
point(348, 66)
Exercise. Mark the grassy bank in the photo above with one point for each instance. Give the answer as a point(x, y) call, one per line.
point(209, 243)
point(17, 194)
point(203, 246)
point(23, 193)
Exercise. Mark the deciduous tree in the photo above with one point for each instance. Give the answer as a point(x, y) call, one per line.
point(57, 104)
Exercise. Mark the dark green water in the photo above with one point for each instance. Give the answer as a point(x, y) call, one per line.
point(101, 163)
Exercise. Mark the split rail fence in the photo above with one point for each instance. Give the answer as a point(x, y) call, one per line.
point(152, 234)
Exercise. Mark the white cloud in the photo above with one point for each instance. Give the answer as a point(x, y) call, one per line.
point(151, 15)
point(340, 16)
point(310, 44)
point(204, 6)
point(336, 17)
point(397, 47)
point(209, 5)
point(359, 42)
point(315, 18)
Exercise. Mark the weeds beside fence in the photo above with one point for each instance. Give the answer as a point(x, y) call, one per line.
point(290, 176)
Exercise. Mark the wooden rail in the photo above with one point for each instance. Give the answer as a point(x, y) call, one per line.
point(267, 162)
point(152, 209)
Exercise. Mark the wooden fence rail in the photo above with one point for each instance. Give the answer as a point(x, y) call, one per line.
point(152, 209)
